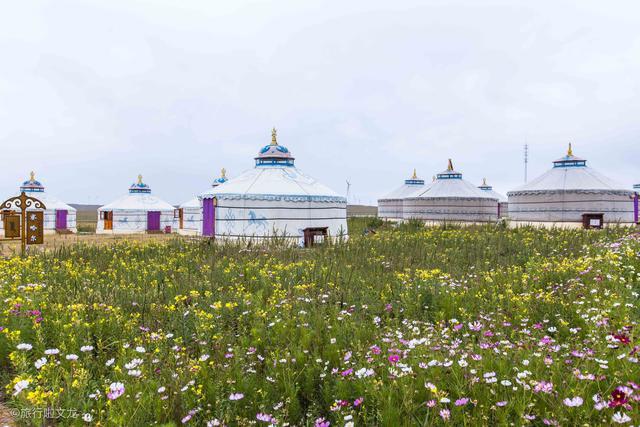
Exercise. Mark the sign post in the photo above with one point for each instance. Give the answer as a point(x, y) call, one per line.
point(31, 223)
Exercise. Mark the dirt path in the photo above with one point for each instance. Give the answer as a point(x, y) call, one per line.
point(6, 419)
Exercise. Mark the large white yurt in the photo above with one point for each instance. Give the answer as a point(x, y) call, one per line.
point(190, 212)
point(58, 216)
point(274, 199)
point(137, 212)
point(390, 206)
point(503, 205)
point(450, 198)
point(571, 194)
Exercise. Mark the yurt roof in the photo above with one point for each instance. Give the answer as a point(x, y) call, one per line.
point(570, 173)
point(449, 184)
point(35, 188)
point(489, 190)
point(138, 199)
point(274, 175)
point(410, 186)
point(195, 202)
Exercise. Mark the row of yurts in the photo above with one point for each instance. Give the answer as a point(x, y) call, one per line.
point(275, 198)
point(569, 194)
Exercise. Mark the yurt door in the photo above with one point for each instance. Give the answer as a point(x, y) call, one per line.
point(108, 220)
point(208, 217)
point(153, 221)
point(61, 219)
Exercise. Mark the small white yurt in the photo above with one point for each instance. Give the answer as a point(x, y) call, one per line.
point(571, 194)
point(137, 212)
point(503, 205)
point(451, 199)
point(190, 212)
point(390, 206)
point(274, 199)
point(58, 216)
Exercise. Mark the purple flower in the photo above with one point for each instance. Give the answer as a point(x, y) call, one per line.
point(462, 402)
point(115, 391)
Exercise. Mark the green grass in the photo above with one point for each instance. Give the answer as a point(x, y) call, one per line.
point(409, 319)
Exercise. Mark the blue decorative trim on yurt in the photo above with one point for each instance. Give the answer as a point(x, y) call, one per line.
point(267, 161)
point(570, 161)
point(449, 175)
point(139, 187)
point(414, 181)
point(636, 187)
point(276, 197)
point(32, 185)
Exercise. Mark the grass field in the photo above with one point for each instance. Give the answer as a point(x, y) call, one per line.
point(407, 326)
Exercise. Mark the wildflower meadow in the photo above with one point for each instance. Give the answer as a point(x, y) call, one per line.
point(407, 326)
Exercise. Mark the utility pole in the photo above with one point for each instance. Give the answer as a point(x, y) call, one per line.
point(526, 161)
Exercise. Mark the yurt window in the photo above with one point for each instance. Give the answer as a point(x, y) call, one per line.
point(592, 220)
point(314, 236)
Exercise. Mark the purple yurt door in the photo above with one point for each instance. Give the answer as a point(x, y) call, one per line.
point(153, 221)
point(61, 220)
point(208, 217)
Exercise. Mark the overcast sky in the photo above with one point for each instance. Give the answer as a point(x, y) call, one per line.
point(94, 92)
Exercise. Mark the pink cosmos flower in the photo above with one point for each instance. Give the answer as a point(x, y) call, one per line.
point(236, 396)
point(358, 401)
point(445, 414)
point(115, 390)
point(463, 401)
point(393, 359)
point(543, 387)
point(573, 402)
point(321, 422)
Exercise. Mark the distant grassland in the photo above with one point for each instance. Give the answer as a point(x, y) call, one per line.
point(87, 220)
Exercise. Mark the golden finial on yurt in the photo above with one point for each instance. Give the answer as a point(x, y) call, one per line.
point(415, 175)
point(274, 134)
point(32, 176)
point(570, 151)
point(223, 173)
point(450, 166)
point(434, 178)
point(139, 178)
point(484, 182)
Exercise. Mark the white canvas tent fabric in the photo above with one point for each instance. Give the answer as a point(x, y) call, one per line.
point(451, 198)
point(191, 210)
point(275, 199)
point(568, 191)
point(130, 212)
point(35, 188)
point(390, 206)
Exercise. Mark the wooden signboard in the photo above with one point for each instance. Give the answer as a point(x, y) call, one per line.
point(11, 225)
point(35, 228)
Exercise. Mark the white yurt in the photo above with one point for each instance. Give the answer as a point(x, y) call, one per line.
point(274, 199)
point(450, 198)
point(390, 206)
point(503, 205)
point(58, 216)
point(571, 194)
point(137, 212)
point(190, 212)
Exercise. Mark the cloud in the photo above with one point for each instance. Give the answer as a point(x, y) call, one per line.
point(93, 93)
